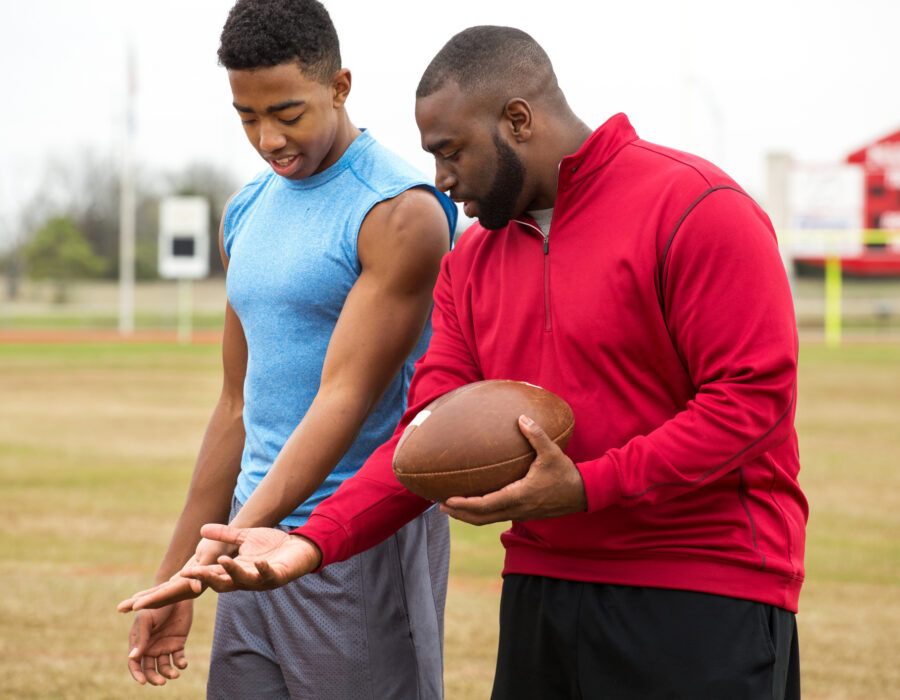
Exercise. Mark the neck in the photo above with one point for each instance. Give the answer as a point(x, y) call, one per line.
point(569, 135)
point(345, 134)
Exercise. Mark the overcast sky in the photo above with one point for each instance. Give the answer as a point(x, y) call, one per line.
point(730, 81)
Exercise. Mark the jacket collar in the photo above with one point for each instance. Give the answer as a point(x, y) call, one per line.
point(600, 147)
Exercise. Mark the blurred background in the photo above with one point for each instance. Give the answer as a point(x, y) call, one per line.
point(111, 106)
point(111, 305)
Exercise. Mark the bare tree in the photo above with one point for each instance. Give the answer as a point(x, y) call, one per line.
point(85, 189)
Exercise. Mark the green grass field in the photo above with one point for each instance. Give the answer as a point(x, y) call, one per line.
point(96, 449)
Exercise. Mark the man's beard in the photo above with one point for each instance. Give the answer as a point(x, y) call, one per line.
point(498, 206)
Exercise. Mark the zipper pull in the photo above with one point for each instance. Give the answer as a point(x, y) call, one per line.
point(546, 243)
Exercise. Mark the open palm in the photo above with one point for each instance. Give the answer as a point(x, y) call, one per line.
point(267, 558)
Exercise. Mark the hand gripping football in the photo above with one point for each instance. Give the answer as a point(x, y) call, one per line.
point(468, 442)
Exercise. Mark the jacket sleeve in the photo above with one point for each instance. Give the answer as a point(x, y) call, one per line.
point(372, 505)
point(729, 311)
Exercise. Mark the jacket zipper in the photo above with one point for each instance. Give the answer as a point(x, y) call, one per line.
point(546, 280)
point(546, 239)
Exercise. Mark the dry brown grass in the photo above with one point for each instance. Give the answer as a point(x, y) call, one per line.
point(848, 418)
point(96, 448)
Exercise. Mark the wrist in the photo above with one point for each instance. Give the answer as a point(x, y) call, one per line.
point(315, 552)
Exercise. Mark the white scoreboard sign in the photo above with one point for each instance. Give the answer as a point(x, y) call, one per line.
point(825, 209)
point(184, 238)
point(826, 196)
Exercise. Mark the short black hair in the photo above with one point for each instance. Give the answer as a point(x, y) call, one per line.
point(263, 33)
point(487, 58)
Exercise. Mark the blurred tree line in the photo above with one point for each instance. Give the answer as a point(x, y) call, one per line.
point(70, 228)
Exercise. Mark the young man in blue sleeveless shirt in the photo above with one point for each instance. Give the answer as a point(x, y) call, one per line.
point(331, 256)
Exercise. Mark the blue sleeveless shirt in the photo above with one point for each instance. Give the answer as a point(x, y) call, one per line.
point(292, 255)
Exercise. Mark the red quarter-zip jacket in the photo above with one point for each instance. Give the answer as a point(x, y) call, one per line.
point(659, 308)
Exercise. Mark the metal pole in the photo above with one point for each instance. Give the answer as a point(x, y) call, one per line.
point(185, 309)
point(832, 301)
point(127, 215)
point(778, 169)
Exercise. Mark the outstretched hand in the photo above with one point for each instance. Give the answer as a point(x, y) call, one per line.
point(177, 588)
point(551, 488)
point(267, 558)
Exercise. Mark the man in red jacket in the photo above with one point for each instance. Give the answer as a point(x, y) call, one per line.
point(662, 554)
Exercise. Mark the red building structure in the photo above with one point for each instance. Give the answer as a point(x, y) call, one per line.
point(881, 208)
point(828, 204)
point(881, 162)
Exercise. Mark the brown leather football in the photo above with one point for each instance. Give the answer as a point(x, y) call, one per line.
point(468, 442)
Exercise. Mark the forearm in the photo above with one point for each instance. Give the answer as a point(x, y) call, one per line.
point(212, 485)
point(366, 509)
point(313, 450)
point(372, 504)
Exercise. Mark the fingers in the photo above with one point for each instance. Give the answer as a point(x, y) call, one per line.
point(137, 642)
point(267, 576)
point(168, 593)
point(179, 659)
point(231, 574)
point(474, 504)
point(213, 576)
point(501, 499)
point(506, 503)
point(156, 646)
point(260, 577)
point(145, 668)
point(552, 487)
point(209, 550)
point(476, 518)
point(223, 533)
point(148, 665)
point(482, 510)
point(165, 668)
point(242, 577)
point(535, 434)
point(134, 668)
point(127, 605)
point(204, 572)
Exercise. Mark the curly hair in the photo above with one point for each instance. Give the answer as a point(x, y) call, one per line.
point(263, 33)
point(489, 58)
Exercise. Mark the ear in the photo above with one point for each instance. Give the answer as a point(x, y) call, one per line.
point(340, 87)
point(518, 119)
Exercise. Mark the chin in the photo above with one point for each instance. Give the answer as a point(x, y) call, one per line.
point(493, 224)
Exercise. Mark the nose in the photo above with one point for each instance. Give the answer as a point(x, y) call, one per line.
point(271, 139)
point(443, 178)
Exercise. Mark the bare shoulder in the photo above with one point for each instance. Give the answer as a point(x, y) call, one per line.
point(414, 221)
point(222, 253)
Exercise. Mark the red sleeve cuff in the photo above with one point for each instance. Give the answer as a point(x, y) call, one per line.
point(601, 483)
point(328, 535)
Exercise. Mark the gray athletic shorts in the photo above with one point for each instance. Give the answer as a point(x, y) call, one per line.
point(370, 627)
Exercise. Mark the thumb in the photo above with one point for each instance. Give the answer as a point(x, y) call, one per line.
point(535, 434)
point(223, 533)
point(137, 639)
point(137, 642)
